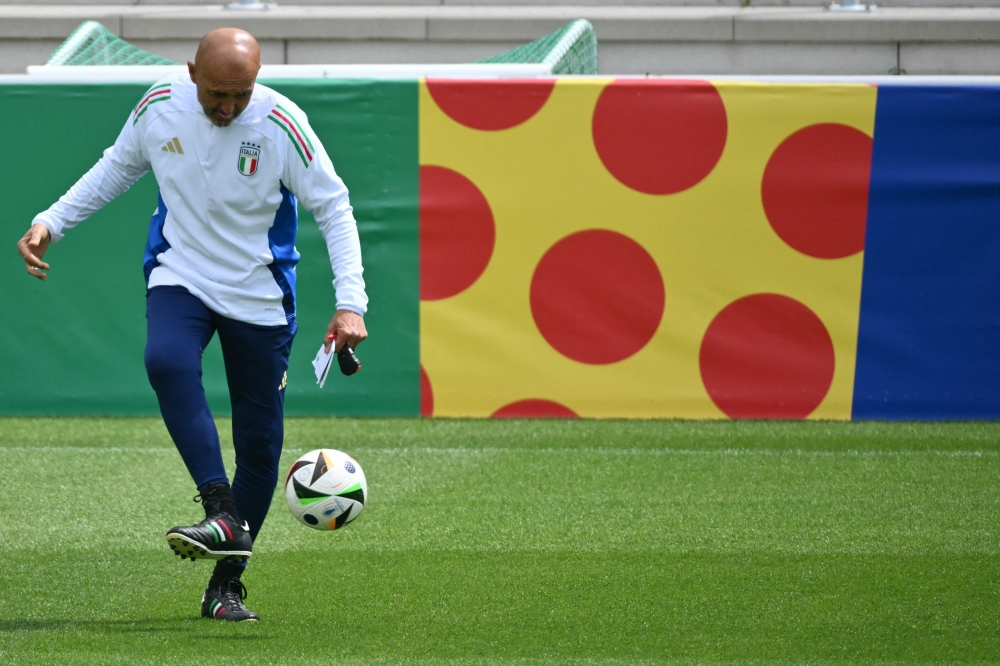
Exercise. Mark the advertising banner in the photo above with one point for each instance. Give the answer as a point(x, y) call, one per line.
point(642, 248)
point(74, 344)
point(609, 248)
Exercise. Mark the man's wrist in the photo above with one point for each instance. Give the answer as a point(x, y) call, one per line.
point(351, 308)
point(48, 227)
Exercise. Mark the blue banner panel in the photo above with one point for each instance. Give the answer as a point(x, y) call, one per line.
point(929, 336)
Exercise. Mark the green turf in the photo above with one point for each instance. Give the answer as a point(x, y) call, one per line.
point(523, 543)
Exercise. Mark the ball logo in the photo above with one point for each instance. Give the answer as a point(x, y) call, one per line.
point(333, 507)
point(249, 159)
point(349, 466)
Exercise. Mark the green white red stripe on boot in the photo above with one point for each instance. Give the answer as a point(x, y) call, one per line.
point(224, 601)
point(218, 537)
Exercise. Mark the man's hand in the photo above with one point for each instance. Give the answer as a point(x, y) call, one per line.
point(350, 329)
point(32, 247)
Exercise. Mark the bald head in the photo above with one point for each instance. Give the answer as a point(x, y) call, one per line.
point(228, 49)
point(224, 70)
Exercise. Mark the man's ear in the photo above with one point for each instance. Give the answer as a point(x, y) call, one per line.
point(191, 71)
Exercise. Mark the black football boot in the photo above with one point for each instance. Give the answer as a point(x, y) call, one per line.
point(221, 536)
point(224, 601)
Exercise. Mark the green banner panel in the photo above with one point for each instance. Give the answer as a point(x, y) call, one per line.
point(74, 344)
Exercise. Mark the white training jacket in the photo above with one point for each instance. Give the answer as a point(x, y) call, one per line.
point(226, 221)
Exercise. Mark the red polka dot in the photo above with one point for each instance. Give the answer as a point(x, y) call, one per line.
point(535, 409)
point(490, 105)
point(815, 190)
point(456, 233)
point(660, 137)
point(597, 296)
point(426, 394)
point(767, 356)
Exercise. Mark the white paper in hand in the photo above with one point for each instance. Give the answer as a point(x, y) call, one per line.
point(321, 364)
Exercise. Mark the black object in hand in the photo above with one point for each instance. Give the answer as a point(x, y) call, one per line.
point(349, 363)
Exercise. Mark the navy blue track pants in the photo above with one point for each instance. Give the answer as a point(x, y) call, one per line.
point(179, 327)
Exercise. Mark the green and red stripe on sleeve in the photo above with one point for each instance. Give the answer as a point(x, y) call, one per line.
point(286, 121)
point(155, 94)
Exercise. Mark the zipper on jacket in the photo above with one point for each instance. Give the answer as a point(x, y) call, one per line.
point(208, 144)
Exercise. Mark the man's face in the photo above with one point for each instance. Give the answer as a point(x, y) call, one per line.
point(223, 92)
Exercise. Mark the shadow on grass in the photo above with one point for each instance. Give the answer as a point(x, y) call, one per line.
point(137, 626)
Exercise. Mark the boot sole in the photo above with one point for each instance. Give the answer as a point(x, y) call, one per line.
point(187, 547)
point(223, 619)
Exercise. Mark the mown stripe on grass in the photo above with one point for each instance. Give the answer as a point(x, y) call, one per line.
point(87, 449)
point(678, 452)
point(490, 450)
point(852, 453)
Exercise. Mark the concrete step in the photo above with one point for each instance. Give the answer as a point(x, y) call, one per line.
point(475, 3)
point(660, 40)
point(505, 23)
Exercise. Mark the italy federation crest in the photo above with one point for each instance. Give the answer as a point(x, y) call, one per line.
point(249, 159)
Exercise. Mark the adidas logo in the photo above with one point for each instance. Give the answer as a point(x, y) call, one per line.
point(173, 146)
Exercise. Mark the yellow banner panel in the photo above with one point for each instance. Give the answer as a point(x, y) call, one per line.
point(642, 248)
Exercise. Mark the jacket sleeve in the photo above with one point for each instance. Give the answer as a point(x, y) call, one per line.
point(122, 164)
point(310, 175)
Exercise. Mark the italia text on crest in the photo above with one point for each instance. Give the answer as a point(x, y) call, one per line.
point(249, 158)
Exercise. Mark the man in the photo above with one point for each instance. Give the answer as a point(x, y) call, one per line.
point(230, 158)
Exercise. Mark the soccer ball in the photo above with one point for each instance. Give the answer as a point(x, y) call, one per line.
point(326, 489)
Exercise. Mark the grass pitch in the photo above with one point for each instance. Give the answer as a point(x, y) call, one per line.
point(522, 542)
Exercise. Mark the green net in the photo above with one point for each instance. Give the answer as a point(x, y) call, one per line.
point(571, 49)
point(93, 44)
